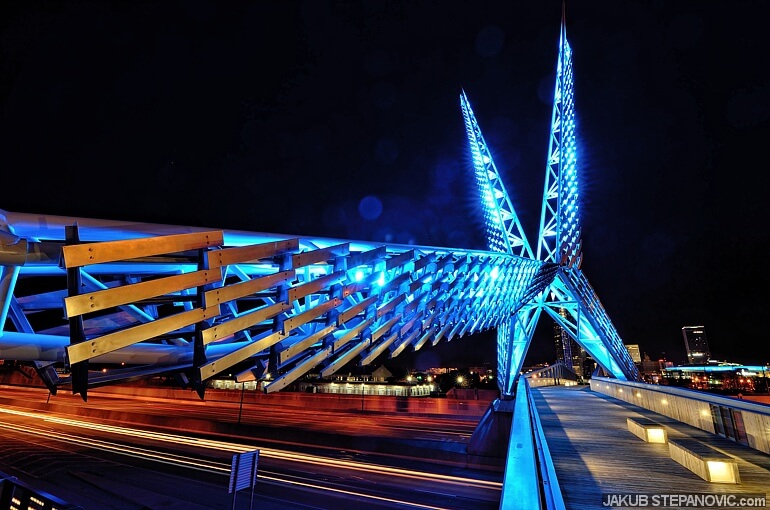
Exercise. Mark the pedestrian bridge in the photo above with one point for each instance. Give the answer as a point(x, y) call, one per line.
point(584, 450)
point(91, 302)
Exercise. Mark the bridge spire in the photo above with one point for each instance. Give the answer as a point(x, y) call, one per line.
point(569, 298)
point(559, 234)
point(505, 234)
point(503, 228)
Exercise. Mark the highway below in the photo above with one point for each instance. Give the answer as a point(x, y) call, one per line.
point(135, 452)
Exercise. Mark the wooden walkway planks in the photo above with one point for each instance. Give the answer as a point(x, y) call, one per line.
point(594, 452)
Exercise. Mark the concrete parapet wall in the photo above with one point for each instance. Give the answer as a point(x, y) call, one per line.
point(538, 382)
point(690, 406)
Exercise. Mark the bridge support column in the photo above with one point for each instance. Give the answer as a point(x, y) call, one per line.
point(493, 433)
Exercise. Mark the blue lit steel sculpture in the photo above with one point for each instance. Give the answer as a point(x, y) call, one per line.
point(504, 234)
point(559, 236)
point(148, 299)
point(569, 300)
point(153, 299)
point(503, 228)
point(590, 325)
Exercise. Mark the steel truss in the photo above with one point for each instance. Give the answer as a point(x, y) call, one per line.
point(92, 302)
point(142, 299)
point(569, 299)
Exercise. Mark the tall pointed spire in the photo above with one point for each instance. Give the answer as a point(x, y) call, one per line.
point(559, 234)
point(503, 229)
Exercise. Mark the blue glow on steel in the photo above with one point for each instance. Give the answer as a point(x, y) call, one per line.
point(503, 230)
point(569, 227)
point(559, 235)
point(467, 291)
point(719, 368)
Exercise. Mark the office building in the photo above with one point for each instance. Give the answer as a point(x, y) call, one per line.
point(567, 349)
point(633, 350)
point(696, 344)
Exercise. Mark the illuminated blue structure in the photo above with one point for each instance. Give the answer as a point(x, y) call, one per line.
point(586, 320)
point(558, 242)
point(146, 299)
point(79, 295)
point(504, 231)
point(559, 236)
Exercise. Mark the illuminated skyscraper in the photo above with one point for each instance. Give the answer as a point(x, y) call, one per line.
point(696, 344)
point(633, 350)
point(561, 342)
point(567, 349)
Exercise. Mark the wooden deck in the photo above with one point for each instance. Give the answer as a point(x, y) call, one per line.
point(594, 453)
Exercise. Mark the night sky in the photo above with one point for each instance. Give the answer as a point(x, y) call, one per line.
point(342, 119)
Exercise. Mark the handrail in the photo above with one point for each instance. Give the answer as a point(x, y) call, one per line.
point(692, 394)
point(694, 407)
point(521, 490)
point(530, 479)
point(548, 481)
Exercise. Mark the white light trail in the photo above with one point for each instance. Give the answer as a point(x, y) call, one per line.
point(264, 452)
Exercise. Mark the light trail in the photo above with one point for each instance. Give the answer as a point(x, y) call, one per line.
point(219, 468)
point(267, 452)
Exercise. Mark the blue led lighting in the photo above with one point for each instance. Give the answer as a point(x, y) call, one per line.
point(503, 230)
point(719, 368)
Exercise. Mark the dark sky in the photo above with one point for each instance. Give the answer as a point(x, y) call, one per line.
point(284, 116)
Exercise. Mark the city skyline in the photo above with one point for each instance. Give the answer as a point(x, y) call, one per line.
point(257, 118)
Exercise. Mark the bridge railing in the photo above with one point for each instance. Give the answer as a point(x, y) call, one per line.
point(548, 482)
point(530, 478)
point(552, 375)
point(745, 422)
